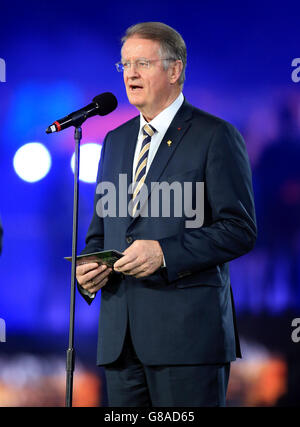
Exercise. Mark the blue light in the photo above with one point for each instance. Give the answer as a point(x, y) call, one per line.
point(32, 162)
point(89, 159)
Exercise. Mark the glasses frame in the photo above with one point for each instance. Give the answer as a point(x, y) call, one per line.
point(121, 68)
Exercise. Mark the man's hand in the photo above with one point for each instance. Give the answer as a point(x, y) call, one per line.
point(90, 275)
point(140, 259)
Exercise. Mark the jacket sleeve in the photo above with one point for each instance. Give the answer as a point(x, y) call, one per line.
point(228, 191)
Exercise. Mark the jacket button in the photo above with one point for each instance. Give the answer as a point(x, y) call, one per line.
point(129, 239)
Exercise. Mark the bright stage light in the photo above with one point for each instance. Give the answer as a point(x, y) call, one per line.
point(32, 162)
point(89, 160)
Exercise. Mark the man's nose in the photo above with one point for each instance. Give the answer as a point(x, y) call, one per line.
point(133, 70)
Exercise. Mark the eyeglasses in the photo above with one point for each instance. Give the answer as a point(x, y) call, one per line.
point(140, 64)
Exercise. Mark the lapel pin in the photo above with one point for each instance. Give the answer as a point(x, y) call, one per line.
point(169, 143)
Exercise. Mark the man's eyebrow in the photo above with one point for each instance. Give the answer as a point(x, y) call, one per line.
point(137, 59)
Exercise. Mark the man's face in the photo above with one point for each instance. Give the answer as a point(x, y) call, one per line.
point(150, 90)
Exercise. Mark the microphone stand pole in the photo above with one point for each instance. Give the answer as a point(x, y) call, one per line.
point(70, 361)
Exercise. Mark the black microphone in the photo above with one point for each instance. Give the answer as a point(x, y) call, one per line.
point(102, 104)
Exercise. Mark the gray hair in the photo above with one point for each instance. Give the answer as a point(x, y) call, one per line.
point(171, 43)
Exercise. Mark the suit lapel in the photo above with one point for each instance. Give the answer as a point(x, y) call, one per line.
point(167, 147)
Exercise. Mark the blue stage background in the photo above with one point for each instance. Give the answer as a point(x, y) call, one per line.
point(58, 56)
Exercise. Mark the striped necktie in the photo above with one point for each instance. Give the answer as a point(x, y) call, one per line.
point(140, 171)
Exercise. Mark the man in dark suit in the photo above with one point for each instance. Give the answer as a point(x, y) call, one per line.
point(167, 329)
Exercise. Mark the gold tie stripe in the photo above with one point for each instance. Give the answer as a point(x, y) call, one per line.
point(140, 172)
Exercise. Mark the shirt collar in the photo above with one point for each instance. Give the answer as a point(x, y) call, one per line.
point(163, 120)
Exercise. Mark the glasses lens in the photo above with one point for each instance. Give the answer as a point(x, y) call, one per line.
point(119, 67)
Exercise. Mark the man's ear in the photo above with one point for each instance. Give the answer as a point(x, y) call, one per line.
point(175, 70)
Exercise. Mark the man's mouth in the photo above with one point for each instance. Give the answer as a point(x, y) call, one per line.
point(135, 88)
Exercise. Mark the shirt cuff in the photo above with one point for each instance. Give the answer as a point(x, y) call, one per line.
point(87, 293)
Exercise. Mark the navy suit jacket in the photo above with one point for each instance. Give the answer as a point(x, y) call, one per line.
point(184, 313)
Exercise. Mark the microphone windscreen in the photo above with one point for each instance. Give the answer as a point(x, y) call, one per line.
point(107, 102)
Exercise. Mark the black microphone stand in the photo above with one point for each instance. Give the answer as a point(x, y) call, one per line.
point(76, 119)
point(70, 362)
